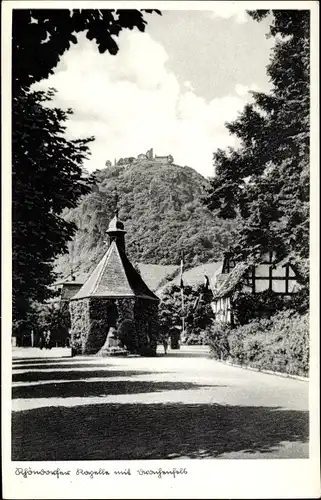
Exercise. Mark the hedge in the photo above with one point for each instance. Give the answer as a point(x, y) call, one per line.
point(280, 343)
point(198, 337)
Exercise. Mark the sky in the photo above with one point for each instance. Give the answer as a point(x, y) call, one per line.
point(171, 88)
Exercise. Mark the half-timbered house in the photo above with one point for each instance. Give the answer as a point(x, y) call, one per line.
point(279, 277)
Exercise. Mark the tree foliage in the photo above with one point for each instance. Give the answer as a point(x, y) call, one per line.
point(41, 36)
point(55, 317)
point(47, 174)
point(196, 311)
point(264, 183)
point(162, 213)
point(47, 177)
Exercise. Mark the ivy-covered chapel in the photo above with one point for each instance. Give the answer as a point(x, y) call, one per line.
point(114, 307)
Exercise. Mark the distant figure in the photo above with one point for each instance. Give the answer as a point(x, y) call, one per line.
point(165, 344)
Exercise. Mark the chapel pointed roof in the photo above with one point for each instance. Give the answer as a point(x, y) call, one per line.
point(115, 277)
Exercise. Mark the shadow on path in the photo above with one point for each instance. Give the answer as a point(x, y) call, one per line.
point(184, 354)
point(37, 376)
point(41, 359)
point(60, 366)
point(153, 431)
point(89, 388)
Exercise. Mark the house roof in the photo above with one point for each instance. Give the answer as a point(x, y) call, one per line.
point(115, 277)
point(226, 283)
point(69, 290)
point(68, 283)
point(194, 276)
point(155, 274)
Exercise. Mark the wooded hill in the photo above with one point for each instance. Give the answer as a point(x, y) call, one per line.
point(163, 215)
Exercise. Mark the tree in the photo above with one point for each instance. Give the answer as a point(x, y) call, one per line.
point(47, 177)
point(264, 184)
point(197, 311)
point(41, 36)
point(54, 316)
point(47, 173)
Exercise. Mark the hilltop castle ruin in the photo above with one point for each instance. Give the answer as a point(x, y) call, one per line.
point(149, 156)
point(143, 158)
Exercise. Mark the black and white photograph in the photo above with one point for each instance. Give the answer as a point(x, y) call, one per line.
point(160, 180)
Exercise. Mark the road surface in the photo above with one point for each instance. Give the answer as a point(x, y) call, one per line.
point(183, 405)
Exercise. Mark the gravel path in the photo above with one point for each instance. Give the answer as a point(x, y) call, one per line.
point(182, 405)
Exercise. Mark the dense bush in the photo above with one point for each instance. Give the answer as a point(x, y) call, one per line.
point(196, 338)
point(218, 340)
point(248, 306)
point(280, 343)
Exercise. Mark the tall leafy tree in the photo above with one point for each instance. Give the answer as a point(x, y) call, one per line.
point(197, 310)
point(47, 177)
point(264, 183)
point(47, 168)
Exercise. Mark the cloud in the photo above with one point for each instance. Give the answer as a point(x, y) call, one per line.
point(131, 102)
point(243, 90)
point(227, 10)
point(189, 86)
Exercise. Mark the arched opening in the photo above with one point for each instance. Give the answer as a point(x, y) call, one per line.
point(112, 314)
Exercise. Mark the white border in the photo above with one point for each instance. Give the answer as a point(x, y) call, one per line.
point(205, 478)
